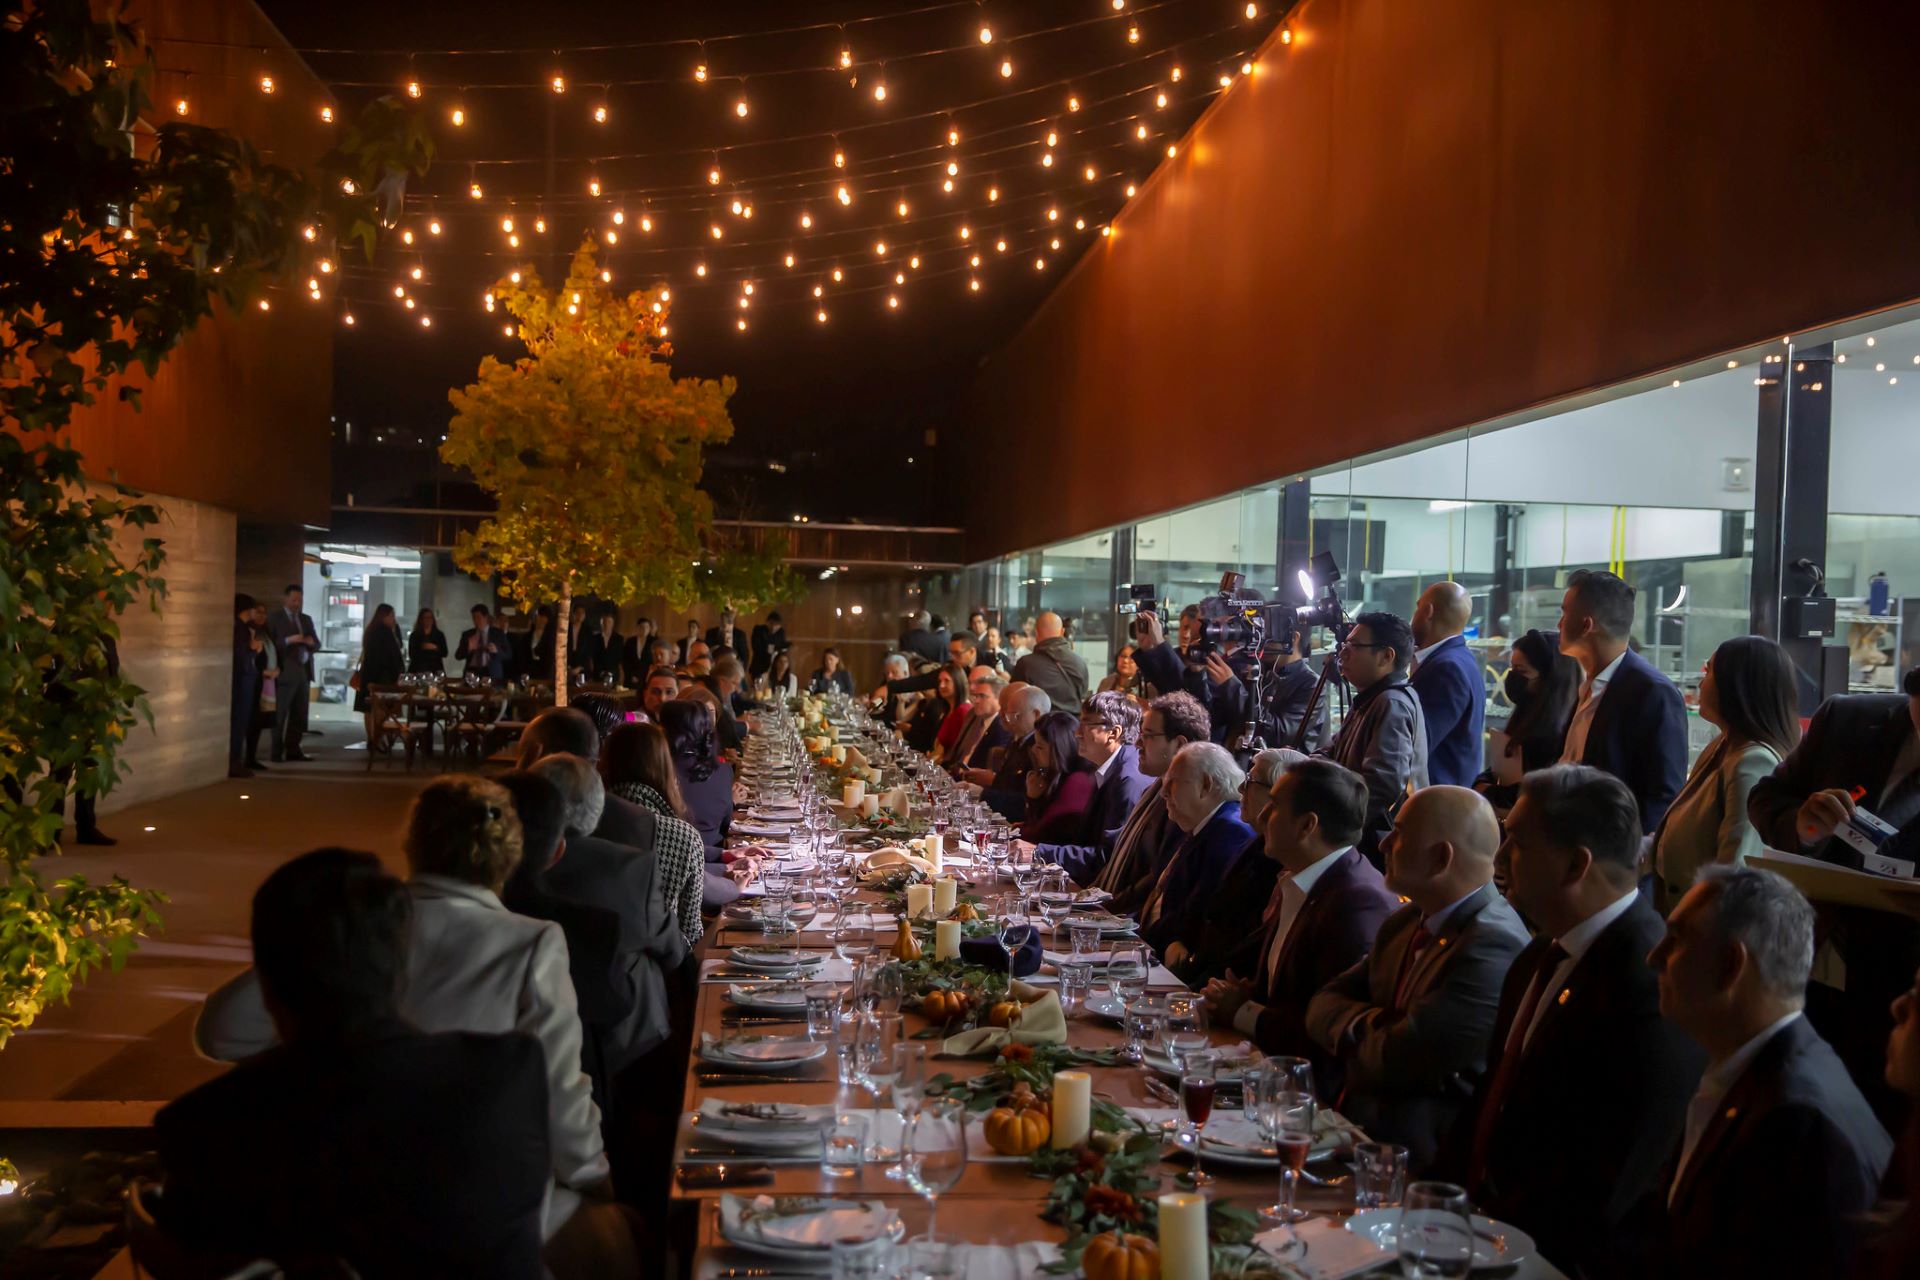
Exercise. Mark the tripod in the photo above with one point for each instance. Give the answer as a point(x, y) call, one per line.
point(1329, 673)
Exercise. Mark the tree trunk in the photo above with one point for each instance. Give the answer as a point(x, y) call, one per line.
point(563, 620)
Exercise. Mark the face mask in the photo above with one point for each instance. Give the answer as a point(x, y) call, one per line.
point(1517, 688)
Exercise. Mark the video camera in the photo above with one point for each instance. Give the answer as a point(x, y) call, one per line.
point(1242, 619)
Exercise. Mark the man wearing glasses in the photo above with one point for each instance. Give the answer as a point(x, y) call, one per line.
point(1384, 735)
point(1109, 730)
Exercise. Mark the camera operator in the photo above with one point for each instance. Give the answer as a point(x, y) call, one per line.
point(1220, 684)
point(1384, 735)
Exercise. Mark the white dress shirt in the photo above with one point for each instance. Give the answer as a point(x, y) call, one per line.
point(1105, 767)
point(1293, 890)
point(1583, 714)
point(1576, 942)
point(1714, 1087)
point(1151, 910)
point(1421, 655)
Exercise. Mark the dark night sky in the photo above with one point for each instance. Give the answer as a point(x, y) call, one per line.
point(844, 404)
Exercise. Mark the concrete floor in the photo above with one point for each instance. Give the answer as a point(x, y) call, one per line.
point(122, 1046)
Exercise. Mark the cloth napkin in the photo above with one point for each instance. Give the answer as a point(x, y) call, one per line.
point(893, 856)
point(1042, 1022)
point(820, 1228)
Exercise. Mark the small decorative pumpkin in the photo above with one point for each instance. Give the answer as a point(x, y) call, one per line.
point(906, 945)
point(1114, 1255)
point(1004, 1013)
point(1018, 1131)
point(966, 911)
point(940, 1006)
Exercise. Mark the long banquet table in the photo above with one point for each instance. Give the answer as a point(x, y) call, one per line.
point(995, 1203)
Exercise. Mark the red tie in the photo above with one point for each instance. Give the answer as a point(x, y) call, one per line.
point(1419, 942)
point(1509, 1063)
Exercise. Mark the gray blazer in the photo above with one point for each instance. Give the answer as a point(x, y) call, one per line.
point(280, 627)
point(1384, 740)
point(1411, 1068)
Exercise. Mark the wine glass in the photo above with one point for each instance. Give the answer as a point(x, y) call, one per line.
point(1011, 919)
point(1199, 1076)
point(909, 1084)
point(852, 935)
point(1184, 1030)
point(935, 1152)
point(1127, 969)
point(1141, 1016)
point(1436, 1232)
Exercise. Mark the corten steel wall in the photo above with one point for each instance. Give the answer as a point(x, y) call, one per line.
point(1421, 216)
point(237, 416)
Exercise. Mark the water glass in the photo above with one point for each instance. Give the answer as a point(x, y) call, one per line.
point(823, 1010)
point(852, 935)
point(1076, 984)
point(1085, 935)
point(846, 1045)
point(934, 1260)
point(935, 1153)
point(1127, 970)
point(1379, 1175)
point(843, 1145)
point(1143, 1016)
point(879, 1033)
point(1436, 1232)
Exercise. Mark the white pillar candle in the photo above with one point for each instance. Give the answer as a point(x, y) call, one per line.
point(839, 754)
point(946, 891)
point(946, 944)
point(919, 898)
point(1183, 1233)
point(936, 849)
point(1072, 1108)
point(852, 793)
point(898, 802)
point(870, 806)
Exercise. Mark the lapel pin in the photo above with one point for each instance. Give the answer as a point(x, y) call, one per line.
point(1732, 1112)
point(1564, 993)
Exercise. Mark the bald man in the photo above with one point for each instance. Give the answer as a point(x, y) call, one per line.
point(1451, 687)
point(1412, 1022)
point(1054, 666)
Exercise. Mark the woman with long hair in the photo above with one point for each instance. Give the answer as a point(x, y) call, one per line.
point(1747, 692)
point(1542, 685)
point(778, 680)
point(381, 662)
point(931, 711)
point(1060, 782)
point(427, 646)
point(636, 763)
point(1125, 675)
point(952, 687)
point(706, 780)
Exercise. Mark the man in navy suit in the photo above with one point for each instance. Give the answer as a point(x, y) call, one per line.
point(1202, 788)
point(483, 646)
point(1630, 721)
point(1109, 730)
point(1446, 678)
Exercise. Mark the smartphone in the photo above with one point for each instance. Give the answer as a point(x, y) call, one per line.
point(698, 1177)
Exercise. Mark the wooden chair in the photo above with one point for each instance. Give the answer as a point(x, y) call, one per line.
point(476, 718)
point(389, 705)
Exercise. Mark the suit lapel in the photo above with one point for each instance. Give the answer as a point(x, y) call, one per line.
point(1317, 897)
point(1733, 1110)
point(1427, 966)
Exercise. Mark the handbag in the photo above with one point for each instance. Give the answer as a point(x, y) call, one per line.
point(353, 681)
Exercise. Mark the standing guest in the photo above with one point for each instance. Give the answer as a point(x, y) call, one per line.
point(291, 1155)
point(662, 686)
point(1125, 676)
point(1384, 737)
point(1542, 684)
point(600, 655)
point(1328, 905)
point(1213, 930)
point(637, 765)
point(706, 780)
point(931, 712)
point(267, 660)
point(984, 732)
point(1109, 737)
point(1778, 1133)
point(917, 638)
point(1747, 692)
point(830, 676)
point(1410, 1024)
point(381, 663)
point(777, 681)
point(769, 641)
point(1630, 720)
point(576, 638)
point(1060, 782)
point(426, 646)
point(1005, 792)
point(1203, 800)
point(246, 685)
point(482, 648)
point(1447, 679)
point(1579, 1019)
point(1017, 646)
point(1140, 851)
point(533, 655)
point(963, 654)
point(294, 635)
point(992, 652)
point(727, 632)
point(1054, 666)
point(633, 654)
point(687, 641)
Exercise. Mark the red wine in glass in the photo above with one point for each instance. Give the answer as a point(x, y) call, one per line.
point(1196, 1098)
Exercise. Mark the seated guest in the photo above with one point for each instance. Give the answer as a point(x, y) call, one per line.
point(1060, 782)
point(706, 781)
point(1109, 730)
point(1630, 720)
point(699, 658)
point(1541, 685)
point(777, 683)
point(661, 686)
point(361, 1140)
point(427, 646)
point(1005, 790)
point(983, 732)
point(1778, 1135)
point(1327, 906)
point(472, 965)
point(726, 681)
point(1125, 676)
point(1895, 1253)
point(890, 705)
point(1213, 930)
point(930, 714)
point(600, 652)
point(956, 689)
point(1410, 1024)
point(1053, 666)
point(1447, 679)
point(631, 884)
point(830, 676)
point(1384, 737)
point(1203, 799)
point(483, 647)
point(1746, 692)
point(1173, 720)
point(637, 765)
point(1581, 1061)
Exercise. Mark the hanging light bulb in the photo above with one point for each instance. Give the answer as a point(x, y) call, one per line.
point(1079, 224)
point(1054, 244)
point(880, 91)
point(879, 248)
point(474, 191)
point(507, 329)
point(993, 193)
point(613, 237)
point(347, 318)
point(789, 261)
point(740, 108)
point(266, 84)
point(406, 237)
point(1226, 81)
point(1286, 35)
point(893, 302)
point(619, 219)
point(506, 224)
point(646, 222)
point(593, 186)
point(899, 277)
point(1174, 75)
point(914, 262)
point(1046, 160)
point(806, 221)
point(1053, 215)
point(399, 291)
point(1160, 101)
point(326, 114)
point(747, 288)
point(1073, 102)
point(974, 284)
point(946, 184)
point(180, 108)
point(1130, 190)
point(326, 266)
point(737, 206)
point(714, 230)
point(818, 291)
point(821, 315)
point(953, 137)
point(1089, 173)
point(559, 84)
point(514, 276)
point(986, 34)
point(1140, 131)
point(409, 304)
point(700, 269)
point(844, 196)
point(1006, 68)
point(433, 228)
point(1246, 68)
point(901, 208)
point(1171, 149)
point(458, 116)
point(966, 232)
point(1253, 11)
point(308, 232)
point(741, 323)
point(413, 88)
point(600, 114)
point(1039, 264)
point(974, 261)
point(838, 275)
point(700, 73)
point(846, 58)
point(713, 176)
point(999, 246)
point(1133, 35)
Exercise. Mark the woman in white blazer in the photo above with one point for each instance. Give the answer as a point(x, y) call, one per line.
point(1746, 692)
point(472, 965)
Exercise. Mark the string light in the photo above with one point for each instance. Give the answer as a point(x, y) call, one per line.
point(646, 223)
point(879, 248)
point(413, 88)
point(1160, 101)
point(1053, 139)
point(880, 91)
point(893, 302)
point(1054, 244)
point(986, 34)
point(714, 229)
point(901, 208)
point(966, 232)
point(1006, 68)
point(1253, 11)
point(417, 274)
point(818, 291)
point(946, 184)
point(426, 322)
point(700, 269)
point(1039, 264)
point(974, 261)
point(409, 304)
point(1046, 161)
point(1174, 75)
point(1073, 103)
point(433, 227)
point(346, 185)
point(1079, 224)
point(1140, 132)
point(953, 138)
point(806, 221)
point(846, 58)
point(326, 266)
point(593, 186)
point(1133, 35)
point(999, 246)
point(1246, 68)
point(326, 113)
point(713, 176)
point(844, 196)
point(1131, 189)
point(740, 108)
point(700, 73)
point(559, 84)
point(600, 114)
point(838, 275)
point(619, 218)
point(899, 277)
point(1171, 149)
point(974, 284)
point(507, 329)
point(180, 107)
point(1089, 173)
point(266, 84)
point(993, 193)
point(1226, 81)
point(458, 116)
point(506, 224)
point(308, 232)
point(613, 237)
point(347, 318)
point(839, 159)
point(742, 323)
point(1286, 35)
point(821, 315)
point(406, 237)
point(474, 191)
point(789, 261)
point(737, 207)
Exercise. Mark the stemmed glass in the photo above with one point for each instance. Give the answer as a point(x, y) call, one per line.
point(852, 935)
point(1436, 1231)
point(909, 1084)
point(1199, 1076)
point(1279, 1100)
point(935, 1152)
point(1011, 917)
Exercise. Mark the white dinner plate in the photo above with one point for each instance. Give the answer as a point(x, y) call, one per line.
point(762, 1053)
point(802, 1238)
point(1496, 1245)
point(778, 996)
point(764, 957)
point(1234, 1140)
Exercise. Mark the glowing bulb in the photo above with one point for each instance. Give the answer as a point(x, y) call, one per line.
point(1039, 264)
point(839, 159)
point(1174, 75)
point(1246, 68)
point(893, 302)
point(1079, 224)
point(1226, 81)
point(901, 208)
point(806, 221)
point(593, 187)
point(1286, 35)
point(487, 302)
point(646, 223)
point(844, 196)
point(326, 266)
point(789, 260)
point(880, 91)
point(474, 191)
point(1118, 5)
point(180, 109)
point(1872, 341)
point(700, 270)
point(818, 291)
point(1140, 132)
point(986, 34)
point(745, 303)
point(999, 246)
point(838, 275)
point(1073, 103)
point(666, 295)
point(1054, 244)
point(346, 185)
point(1053, 215)
point(899, 277)
point(576, 297)
point(953, 137)
point(613, 237)
point(946, 184)
point(1171, 149)
point(409, 303)
point(406, 237)
point(1006, 68)
point(737, 206)
point(266, 84)
point(513, 242)
point(559, 84)
point(600, 114)
point(700, 73)
point(308, 232)
point(417, 274)
point(458, 116)
point(515, 277)
point(1131, 189)
point(619, 218)
point(433, 228)
point(347, 318)
point(507, 329)
point(265, 305)
point(1253, 11)
point(846, 59)
point(326, 115)
point(713, 177)
point(1053, 139)
point(1160, 101)
point(399, 291)
point(747, 288)
point(741, 323)
point(1046, 161)
point(821, 315)
point(974, 285)
point(879, 248)
point(1089, 173)
point(953, 168)
point(914, 262)
point(966, 233)
point(506, 224)
point(1133, 35)
point(993, 193)
point(413, 88)
point(974, 261)
point(740, 108)
point(426, 322)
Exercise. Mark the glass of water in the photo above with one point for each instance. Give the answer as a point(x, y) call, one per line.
point(1143, 1024)
point(1379, 1175)
point(1085, 935)
point(843, 1145)
point(823, 1010)
point(1436, 1232)
point(1076, 984)
point(936, 1153)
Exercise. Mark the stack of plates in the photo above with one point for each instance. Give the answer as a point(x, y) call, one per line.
point(750, 1051)
point(803, 1229)
point(760, 1126)
point(775, 959)
point(1496, 1245)
point(1235, 1140)
point(774, 997)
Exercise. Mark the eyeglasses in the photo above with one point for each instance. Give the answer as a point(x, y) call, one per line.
point(1148, 733)
point(1367, 644)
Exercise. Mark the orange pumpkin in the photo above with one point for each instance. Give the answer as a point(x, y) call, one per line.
point(1004, 1013)
point(1017, 1131)
point(966, 911)
point(1113, 1255)
point(940, 1006)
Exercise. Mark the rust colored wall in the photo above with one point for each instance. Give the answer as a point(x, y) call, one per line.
point(1420, 216)
point(237, 416)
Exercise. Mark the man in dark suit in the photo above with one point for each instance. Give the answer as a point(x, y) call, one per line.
point(294, 636)
point(984, 731)
point(1446, 677)
point(1327, 907)
point(292, 1154)
point(601, 652)
point(533, 650)
point(1005, 791)
point(1410, 1024)
point(1215, 930)
point(919, 639)
point(1384, 736)
point(1582, 1062)
point(1780, 1151)
point(1109, 730)
point(1140, 852)
point(727, 632)
point(769, 638)
point(1630, 720)
point(634, 663)
point(1203, 799)
point(246, 685)
point(483, 646)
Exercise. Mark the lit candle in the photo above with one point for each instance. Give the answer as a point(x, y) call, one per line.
point(853, 792)
point(1183, 1233)
point(839, 754)
point(870, 807)
point(936, 849)
point(919, 898)
point(1072, 1108)
point(946, 945)
point(899, 802)
point(945, 893)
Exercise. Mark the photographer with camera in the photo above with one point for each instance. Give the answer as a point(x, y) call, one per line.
point(1384, 735)
point(1220, 682)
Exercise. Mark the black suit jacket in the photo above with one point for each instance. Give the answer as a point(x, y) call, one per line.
point(494, 664)
point(1791, 1156)
point(1604, 1080)
point(404, 1153)
point(736, 640)
point(1007, 793)
point(1639, 735)
point(1852, 741)
point(600, 655)
point(420, 659)
point(1222, 927)
point(767, 641)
